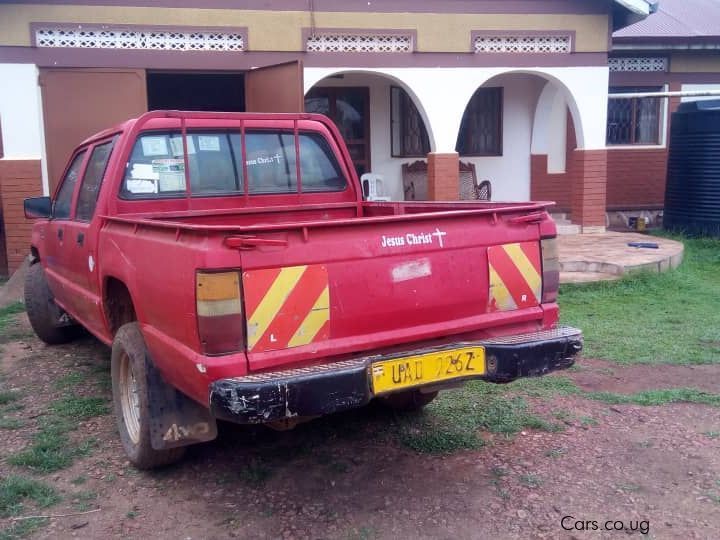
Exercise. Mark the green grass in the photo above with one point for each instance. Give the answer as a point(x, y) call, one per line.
point(70, 380)
point(455, 419)
point(9, 396)
point(51, 448)
point(658, 397)
point(14, 490)
point(22, 529)
point(10, 423)
point(670, 317)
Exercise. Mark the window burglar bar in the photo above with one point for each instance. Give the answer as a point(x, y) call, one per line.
point(684, 93)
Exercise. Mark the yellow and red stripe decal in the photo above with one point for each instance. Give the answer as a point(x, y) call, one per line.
point(515, 276)
point(286, 307)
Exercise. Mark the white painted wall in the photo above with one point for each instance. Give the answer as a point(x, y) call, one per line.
point(699, 88)
point(21, 114)
point(443, 93)
point(509, 174)
point(381, 160)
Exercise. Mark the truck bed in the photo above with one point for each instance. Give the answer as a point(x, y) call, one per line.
point(393, 275)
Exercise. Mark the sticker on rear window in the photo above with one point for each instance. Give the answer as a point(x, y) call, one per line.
point(208, 143)
point(171, 174)
point(154, 146)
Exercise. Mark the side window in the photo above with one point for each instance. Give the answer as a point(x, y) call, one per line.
point(63, 201)
point(271, 162)
point(318, 168)
point(90, 187)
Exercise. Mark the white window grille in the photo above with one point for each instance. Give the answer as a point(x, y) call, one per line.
point(372, 43)
point(638, 63)
point(109, 38)
point(523, 44)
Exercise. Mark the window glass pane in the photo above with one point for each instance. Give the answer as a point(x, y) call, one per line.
point(63, 201)
point(157, 166)
point(481, 127)
point(409, 136)
point(214, 163)
point(271, 162)
point(648, 123)
point(90, 187)
point(318, 168)
point(633, 120)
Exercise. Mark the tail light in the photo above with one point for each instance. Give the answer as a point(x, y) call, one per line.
point(219, 312)
point(550, 269)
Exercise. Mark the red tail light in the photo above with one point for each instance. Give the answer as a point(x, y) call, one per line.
point(550, 269)
point(219, 312)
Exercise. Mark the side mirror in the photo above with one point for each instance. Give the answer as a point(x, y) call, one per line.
point(38, 207)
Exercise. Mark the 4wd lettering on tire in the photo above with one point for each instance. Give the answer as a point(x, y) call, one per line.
point(176, 433)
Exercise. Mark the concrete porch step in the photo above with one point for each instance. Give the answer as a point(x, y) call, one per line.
point(566, 228)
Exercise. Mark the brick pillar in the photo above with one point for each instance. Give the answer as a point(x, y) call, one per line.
point(589, 185)
point(443, 176)
point(19, 178)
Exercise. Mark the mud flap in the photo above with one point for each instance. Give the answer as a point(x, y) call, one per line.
point(175, 419)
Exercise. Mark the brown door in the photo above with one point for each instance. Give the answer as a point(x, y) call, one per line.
point(80, 102)
point(349, 108)
point(276, 88)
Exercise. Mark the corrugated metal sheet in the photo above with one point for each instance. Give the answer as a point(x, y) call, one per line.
point(677, 19)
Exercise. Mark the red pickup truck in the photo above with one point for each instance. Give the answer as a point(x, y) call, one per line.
point(230, 261)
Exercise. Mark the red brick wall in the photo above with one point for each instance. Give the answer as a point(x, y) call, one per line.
point(636, 178)
point(556, 187)
point(588, 194)
point(19, 178)
point(443, 177)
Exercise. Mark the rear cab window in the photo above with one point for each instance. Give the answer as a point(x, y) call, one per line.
point(216, 164)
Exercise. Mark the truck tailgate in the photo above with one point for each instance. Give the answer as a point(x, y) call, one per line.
point(334, 290)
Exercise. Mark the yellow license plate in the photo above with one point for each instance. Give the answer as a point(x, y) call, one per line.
point(391, 375)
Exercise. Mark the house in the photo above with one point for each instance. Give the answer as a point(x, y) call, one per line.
point(675, 49)
point(491, 84)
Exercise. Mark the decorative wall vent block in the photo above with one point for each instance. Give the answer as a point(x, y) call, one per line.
point(116, 38)
point(638, 63)
point(523, 44)
point(362, 43)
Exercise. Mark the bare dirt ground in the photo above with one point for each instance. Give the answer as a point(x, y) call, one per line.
point(344, 477)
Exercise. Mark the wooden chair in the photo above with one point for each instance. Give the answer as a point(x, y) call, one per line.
point(415, 181)
point(470, 190)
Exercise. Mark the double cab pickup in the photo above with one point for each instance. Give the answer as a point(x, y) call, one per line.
point(231, 263)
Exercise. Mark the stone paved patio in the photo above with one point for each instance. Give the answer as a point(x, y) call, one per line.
point(596, 257)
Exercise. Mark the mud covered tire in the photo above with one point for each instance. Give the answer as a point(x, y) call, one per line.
point(130, 400)
point(410, 400)
point(42, 311)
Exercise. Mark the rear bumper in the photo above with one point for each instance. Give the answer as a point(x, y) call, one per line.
point(329, 388)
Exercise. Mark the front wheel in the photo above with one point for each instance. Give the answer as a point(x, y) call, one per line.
point(48, 321)
point(130, 400)
point(410, 400)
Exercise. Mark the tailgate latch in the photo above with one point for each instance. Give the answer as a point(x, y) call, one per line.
point(535, 217)
point(251, 242)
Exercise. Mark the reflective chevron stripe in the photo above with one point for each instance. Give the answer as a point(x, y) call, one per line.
point(515, 272)
point(287, 307)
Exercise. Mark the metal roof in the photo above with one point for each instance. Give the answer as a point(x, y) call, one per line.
point(676, 19)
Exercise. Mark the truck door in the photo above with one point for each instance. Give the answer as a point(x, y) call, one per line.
point(56, 254)
point(76, 256)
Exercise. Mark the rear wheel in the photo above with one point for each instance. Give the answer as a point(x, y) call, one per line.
point(410, 400)
point(50, 323)
point(130, 400)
